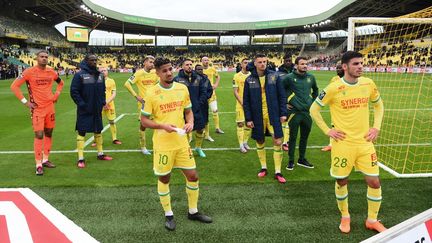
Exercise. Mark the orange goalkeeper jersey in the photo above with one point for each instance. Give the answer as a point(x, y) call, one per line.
point(39, 84)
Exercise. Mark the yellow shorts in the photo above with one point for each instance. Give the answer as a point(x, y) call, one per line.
point(266, 122)
point(239, 114)
point(109, 114)
point(213, 97)
point(165, 161)
point(346, 156)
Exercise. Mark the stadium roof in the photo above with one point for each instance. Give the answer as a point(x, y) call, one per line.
point(70, 10)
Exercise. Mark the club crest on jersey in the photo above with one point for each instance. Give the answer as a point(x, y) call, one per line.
point(131, 77)
point(321, 95)
point(308, 80)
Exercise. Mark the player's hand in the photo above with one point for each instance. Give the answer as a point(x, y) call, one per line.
point(55, 97)
point(283, 119)
point(139, 99)
point(188, 127)
point(106, 107)
point(289, 107)
point(169, 128)
point(250, 124)
point(336, 134)
point(214, 87)
point(372, 135)
point(30, 105)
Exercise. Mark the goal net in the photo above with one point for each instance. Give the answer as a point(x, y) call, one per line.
point(398, 57)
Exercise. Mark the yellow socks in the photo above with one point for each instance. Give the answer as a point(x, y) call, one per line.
point(247, 133)
point(192, 191)
point(342, 199)
point(142, 139)
point(113, 129)
point(165, 198)
point(99, 141)
point(240, 135)
point(80, 147)
point(286, 131)
point(207, 131)
point(216, 119)
point(199, 139)
point(374, 202)
point(277, 157)
point(262, 155)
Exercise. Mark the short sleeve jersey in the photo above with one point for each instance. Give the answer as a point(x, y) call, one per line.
point(211, 73)
point(39, 83)
point(166, 106)
point(144, 80)
point(239, 82)
point(349, 106)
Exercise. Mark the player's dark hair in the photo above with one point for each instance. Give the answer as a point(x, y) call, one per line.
point(287, 56)
point(297, 60)
point(42, 51)
point(347, 56)
point(160, 61)
point(259, 55)
point(198, 65)
point(185, 60)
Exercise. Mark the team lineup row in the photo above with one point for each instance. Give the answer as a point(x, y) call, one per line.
point(176, 106)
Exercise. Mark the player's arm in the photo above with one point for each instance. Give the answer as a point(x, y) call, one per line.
point(128, 86)
point(246, 106)
point(314, 89)
point(113, 95)
point(315, 109)
point(59, 88)
point(147, 122)
point(217, 79)
point(189, 118)
point(203, 92)
point(282, 98)
point(378, 107)
point(15, 87)
point(288, 91)
point(75, 91)
point(236, 91)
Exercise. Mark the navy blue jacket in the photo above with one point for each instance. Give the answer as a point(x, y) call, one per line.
point(88, 92)
point(276, 102)
point(197, 93)
point(209, 89)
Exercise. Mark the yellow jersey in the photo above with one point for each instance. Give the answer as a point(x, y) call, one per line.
point(264, 98)
point(144, 80)
point(334, 79)
point(239, 82)
point(211, 73)
point(349, 106)
point(166, 106)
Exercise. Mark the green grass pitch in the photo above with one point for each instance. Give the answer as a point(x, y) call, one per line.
point(117, 201)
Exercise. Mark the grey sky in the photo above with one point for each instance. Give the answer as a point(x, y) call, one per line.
point(219, 10)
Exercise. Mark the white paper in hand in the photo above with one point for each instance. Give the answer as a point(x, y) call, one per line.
point(180, 131)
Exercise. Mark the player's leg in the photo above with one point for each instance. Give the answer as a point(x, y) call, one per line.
point(141, 132)
point(38, 119)
point(367, 163)
point(192, 191)
point(199, 137)
point(214, 109)
point(343, 158)
point(277, 157)
point(48, 130)
point(293, 124)
point(163, 162)
point(242, 137)
point(80, 149)
point(99, 146)
point(111, 116)
point(305, 128)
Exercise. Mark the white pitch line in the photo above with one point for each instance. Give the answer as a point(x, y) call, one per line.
point(103, 130)
point(206, 149)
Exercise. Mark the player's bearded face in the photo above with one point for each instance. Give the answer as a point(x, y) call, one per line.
point(302, 66)
point(187, 66)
